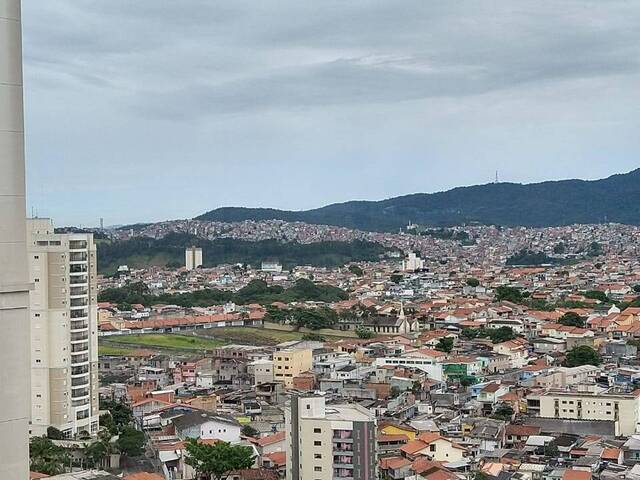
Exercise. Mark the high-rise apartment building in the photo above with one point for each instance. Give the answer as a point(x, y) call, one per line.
point(64, 324)
point(329, 441)
point(192, 258)
point(14, 288)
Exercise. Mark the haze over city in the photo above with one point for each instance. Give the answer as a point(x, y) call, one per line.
point(181, 107)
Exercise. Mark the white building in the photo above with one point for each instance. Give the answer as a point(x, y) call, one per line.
point(329, 441)
point(64, 329)
point(192, 258)
point(272, 266)
point(412, 263)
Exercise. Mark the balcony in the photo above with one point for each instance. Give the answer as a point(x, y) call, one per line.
point(78, 268)
point(76, 292)
point(78, 302)
point(80, 393)
point(78, 280)
point(79, 326)
point(79, 359)
point(81, 402)
point(83, 313)
point(78, 257)
point(78, 245)
point(80, 371)
point(79, 348)
point(79, 337)
point(80, 382)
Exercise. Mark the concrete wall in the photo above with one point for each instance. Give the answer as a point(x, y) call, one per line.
point(14, 320)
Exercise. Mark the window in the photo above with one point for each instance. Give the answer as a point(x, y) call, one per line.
point(317, 455)
point(432, 447)
point(317, 443)
point(317, 469)
point(317, 430)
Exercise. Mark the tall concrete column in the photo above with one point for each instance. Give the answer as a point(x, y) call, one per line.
point(14, 295)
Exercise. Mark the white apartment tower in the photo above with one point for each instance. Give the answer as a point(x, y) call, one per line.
point(329, 441)
point(192, 258)
point(64, 324)
point(412, 263)
point(14, 288)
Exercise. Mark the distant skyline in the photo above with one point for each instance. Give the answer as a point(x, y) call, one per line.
point(147, 110)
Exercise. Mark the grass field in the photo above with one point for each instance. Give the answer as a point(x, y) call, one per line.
point(206, 340)
point(111, 350)
point(184, 343)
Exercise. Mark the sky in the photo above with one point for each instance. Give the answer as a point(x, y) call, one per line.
point(150, 110)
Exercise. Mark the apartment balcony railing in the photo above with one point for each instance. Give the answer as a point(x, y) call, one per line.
point(78, 268)
point(78, 292)
point(77, 359)
point(79, 326)
point(78, 245)
point(78, 257)
point(79, 314)
point(81, 402)
point(83, 370)
point(79, 336)
point(81, 415)
point(78, 280)
point(78, 302)
point(80, 382)
point(79, 393)
point(79, 347)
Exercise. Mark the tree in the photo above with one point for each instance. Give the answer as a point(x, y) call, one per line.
point(468, 380)
point(249, 431)
point(54, 434)
point(636, 288)
point(356, 270)
point(131, 442)
point(46, 457)
point(510, 294)
point(364, 333)
point(597, 295)
point(551, 450)
point(502, 334)
point(445, 345)
point(504, 411)
point(479, 475)
point(96, 453)
point(582, 355)
point(119, 416)
point(473, 282)
point(571, 319)
point(396, 278)
point(559, 248)
point(219, 459)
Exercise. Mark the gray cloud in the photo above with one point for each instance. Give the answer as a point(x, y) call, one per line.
point(153, 87)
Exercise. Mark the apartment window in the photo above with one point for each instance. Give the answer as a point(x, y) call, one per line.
point(432, 448)
point(308, 407)
point(317, 430)
point(317, 443)
point(36, 257)
point(317, 469)
point(317, 456)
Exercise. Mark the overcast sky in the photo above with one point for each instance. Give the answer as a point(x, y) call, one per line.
point(149, 109)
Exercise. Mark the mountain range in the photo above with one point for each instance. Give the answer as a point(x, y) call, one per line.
point(550, 203)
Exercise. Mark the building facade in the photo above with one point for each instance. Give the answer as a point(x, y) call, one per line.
point(14, 287)
point(593, 404)
point(192, 258)
point(64, 337)
point(291, 362)
point(329, 441)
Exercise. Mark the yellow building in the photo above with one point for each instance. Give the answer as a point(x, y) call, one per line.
point(393, 429)
point(291, 362)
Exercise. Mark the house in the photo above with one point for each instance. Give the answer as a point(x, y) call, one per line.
point(207, 426)
point(433, 446)
point(517, 435)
